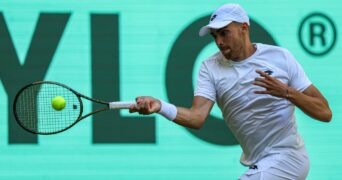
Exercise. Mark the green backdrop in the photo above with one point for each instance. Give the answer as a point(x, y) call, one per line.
point(123, 49)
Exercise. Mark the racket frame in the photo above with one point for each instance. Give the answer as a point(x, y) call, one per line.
point(79, 97)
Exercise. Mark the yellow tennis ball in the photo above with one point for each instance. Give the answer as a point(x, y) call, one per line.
point(58, 103)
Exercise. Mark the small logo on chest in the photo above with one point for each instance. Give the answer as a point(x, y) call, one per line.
point(269, 72)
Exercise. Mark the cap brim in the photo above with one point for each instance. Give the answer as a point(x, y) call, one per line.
point(216, 25)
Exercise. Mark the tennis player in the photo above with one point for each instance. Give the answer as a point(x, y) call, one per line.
point(257, 87)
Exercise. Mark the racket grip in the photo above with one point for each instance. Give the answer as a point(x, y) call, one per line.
point(120, 105)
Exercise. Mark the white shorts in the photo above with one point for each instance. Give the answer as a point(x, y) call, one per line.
point(292, 165)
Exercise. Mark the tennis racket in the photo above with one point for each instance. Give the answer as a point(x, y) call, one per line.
point(34, 111)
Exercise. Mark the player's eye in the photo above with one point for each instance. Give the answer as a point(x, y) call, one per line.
point(224, 32)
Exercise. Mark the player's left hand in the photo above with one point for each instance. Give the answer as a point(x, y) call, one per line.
point(272, 85)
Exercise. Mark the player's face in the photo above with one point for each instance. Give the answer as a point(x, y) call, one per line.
point(230, 41)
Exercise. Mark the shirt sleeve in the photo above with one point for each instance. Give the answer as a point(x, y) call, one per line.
point(205, 85)
point(297, 77)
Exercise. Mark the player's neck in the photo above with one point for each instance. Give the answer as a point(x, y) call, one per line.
point(251, 48)
point(248, 52)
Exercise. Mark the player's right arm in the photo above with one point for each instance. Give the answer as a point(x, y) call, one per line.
point(193, 117)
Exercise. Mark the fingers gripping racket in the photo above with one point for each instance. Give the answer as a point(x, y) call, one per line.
point(47, 107)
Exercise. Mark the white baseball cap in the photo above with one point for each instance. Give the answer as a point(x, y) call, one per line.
point(223, 16)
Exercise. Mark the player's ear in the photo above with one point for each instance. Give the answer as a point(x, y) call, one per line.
point(244, 27)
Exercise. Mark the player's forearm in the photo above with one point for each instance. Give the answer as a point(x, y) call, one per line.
point(312, 106)
point(189, 118)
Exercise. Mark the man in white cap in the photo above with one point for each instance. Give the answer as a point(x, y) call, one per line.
point(257, 87)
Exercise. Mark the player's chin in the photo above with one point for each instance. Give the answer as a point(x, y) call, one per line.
point(227, 55)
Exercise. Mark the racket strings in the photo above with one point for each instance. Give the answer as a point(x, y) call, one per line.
point(35, 111)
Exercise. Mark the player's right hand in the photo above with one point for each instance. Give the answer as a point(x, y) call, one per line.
point(145, 105)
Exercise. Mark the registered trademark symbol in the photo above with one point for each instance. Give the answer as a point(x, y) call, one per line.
point(317, 34)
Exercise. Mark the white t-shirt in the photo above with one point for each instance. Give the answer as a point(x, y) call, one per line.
point(263, 124)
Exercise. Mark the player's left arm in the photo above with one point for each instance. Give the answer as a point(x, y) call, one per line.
point(310, 101)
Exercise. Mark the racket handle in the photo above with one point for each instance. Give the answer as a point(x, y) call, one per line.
point(120, 105)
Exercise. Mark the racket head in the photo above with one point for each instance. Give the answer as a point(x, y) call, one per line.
point(33, 110)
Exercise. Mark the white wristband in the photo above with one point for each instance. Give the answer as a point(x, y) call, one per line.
point(169, 111)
